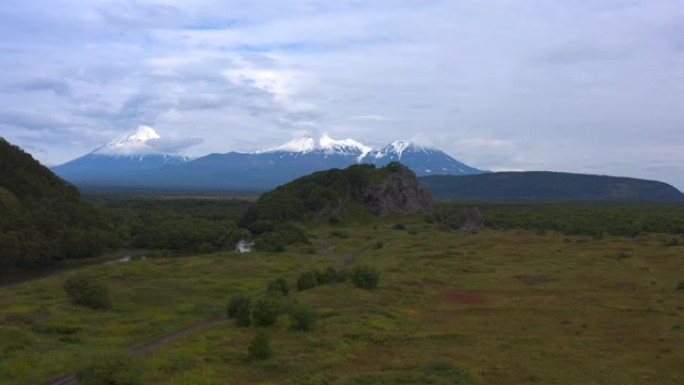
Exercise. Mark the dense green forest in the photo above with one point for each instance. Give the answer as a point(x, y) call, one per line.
point(573, 218)
point(185, 224)
point(42, 218)
point(549, 186)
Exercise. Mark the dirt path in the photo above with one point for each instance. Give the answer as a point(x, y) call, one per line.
point(351, 257)
point(69, 379)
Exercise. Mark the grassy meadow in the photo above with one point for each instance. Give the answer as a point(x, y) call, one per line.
point(490, 307)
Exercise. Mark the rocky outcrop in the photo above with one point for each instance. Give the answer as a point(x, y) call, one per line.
point(471, 219)
point(399, 192)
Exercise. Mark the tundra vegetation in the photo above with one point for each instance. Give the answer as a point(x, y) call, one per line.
point(501, 306)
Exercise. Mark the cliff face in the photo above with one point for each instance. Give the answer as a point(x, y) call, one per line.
point(399, 192)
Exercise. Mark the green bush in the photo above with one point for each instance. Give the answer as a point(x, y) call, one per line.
point(85, 290)
point(243, 314)
point(234, 305)
point(399, 226)
point(111, 369)
point(260, 347)
point(265, 311)
point(681, 285)
point(303, 318)
point(306, 280)
point(278, 286)
point(365, 277)
point(330, 275)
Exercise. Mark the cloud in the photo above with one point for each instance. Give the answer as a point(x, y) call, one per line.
point(519, 85)
point(174, 145)
point(58, 87)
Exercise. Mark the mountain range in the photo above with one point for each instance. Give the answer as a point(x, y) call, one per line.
point(134, 163)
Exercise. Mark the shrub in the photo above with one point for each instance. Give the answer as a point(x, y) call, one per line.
point(321, 278)
point(87, 291)
point(265, 311)
point(260, 347)
point(303, 318)
point(681, 285)
point(243, 314)
point(278, 286)
point(339, 234)
point(399, 226)
point(365, 277)
point(235, 302)
point(111, 369)
point(330, 275)
point(306, 280)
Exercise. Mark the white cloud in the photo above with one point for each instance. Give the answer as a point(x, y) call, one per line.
point(571, 85)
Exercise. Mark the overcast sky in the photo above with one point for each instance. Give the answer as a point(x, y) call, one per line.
point(567, 85)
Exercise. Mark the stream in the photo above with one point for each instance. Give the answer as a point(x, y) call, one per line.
point(22, 276)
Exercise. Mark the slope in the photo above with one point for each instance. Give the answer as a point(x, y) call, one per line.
point(42, 218)
point(544, 185)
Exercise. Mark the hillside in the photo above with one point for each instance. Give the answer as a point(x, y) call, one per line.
point(543, 185)
point(377, 191)
point(42, 219)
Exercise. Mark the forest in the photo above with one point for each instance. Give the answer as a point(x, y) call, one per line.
point(44, 220)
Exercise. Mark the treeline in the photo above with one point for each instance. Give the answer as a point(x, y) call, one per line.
point(596, 219)
point(192, 225)
point(42, 218)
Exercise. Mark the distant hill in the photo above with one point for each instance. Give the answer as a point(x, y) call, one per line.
point(376, 191)
point(42, 219)
point(543, 185)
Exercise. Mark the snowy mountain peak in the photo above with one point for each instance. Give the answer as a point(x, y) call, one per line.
point(345, 146)
point(303, 144)
point(397, 148)
point(135, 143)
point(325, 144)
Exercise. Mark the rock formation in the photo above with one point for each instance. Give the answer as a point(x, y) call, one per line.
point(397, 193)
point(471, 219)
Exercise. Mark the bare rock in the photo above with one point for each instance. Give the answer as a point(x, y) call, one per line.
point(397, 193)
point(471, 219)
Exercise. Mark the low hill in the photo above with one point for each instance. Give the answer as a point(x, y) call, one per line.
point(379, 191)
point(543, 185)
point(42, 218)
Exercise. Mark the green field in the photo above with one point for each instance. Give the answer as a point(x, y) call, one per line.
point(492, 307)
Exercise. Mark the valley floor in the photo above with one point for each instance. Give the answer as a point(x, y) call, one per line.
point(504, 307)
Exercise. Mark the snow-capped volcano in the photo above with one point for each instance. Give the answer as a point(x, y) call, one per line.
point(396, 149)
point(422, 160)
point(119, 159)
point(136, 143)
point(134, 162)
point(325, 145)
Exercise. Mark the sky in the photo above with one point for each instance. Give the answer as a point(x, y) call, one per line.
point(590, 86)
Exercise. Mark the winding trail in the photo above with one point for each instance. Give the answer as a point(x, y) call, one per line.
point(351, 257)
point(70, 379)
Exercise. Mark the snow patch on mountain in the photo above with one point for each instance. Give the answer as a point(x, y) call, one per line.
point(397, 148)
point(325, 144)
point(345, 146)
point(304, 144)
point(136, 143)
